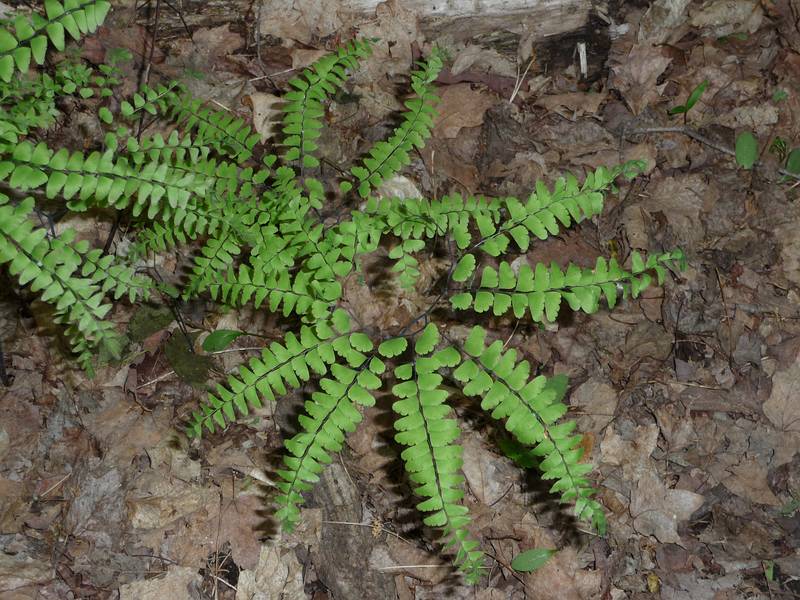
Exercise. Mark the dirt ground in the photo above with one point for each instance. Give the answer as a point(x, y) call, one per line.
point(688, 396)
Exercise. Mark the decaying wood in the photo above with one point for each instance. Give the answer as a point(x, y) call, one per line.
point(461, 19)
point(465, 19)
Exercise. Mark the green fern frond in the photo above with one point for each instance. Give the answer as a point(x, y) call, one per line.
point(174, 150)
point(32, 35)
point(279, 368)
point(540, 291)
point(303, 112)
point(325, 253)
point(214, 260)
point(266, 235)
point(116, 279)
point(431, 458)
point(228, 134)
point(99, 179)
point(530, 409)
point(208, 217)
point(153, 100)
point(327, 417)
point(300, 294)
point(387, 158)
point(547, 212)
point(421, 218)
point(406, 266)
point(51, 266)
point(30, 102)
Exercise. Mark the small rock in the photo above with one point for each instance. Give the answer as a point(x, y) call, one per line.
point(17, 571)
point(275, 576)
point(179, 583)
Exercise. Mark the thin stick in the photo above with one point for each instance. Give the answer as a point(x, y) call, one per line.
point(520, 80)
point(54, 486)
point(152, 44)
point(226, 351)
point(699, 137)
point(4, 377)
point(258, 36)
point(389, 531)
point(271, 75)
point(411, 567)
point(156, 380)
point(221, 105)
point(727, 317)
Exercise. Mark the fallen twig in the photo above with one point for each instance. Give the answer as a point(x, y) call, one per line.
point(699, 137)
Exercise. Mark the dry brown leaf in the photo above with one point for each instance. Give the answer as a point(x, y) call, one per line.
point(783, 407)
point(396, 28)
point(489, 477)
point(277, 575)
point(724, 17)
point(562, 578)
point(13, 505)
point(572, 105)
point(748, 479)
point(175, 584)
point(155, 501)
point(299, 20)
point(398, 556)
point(661, 20)
point(682, 200)
point(461, 106)
point(597, 401)
point(266, 113)
point(18, 571)
point(483, 60)
point(657, 509)
point(637, 77)
point(217, 41)
point(302, 57)
point(790, 250)
point(632, 456)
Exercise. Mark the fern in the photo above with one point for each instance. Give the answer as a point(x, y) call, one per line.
point(263, 234)
point(51, 266)
point(431, 459)
point(302, 124)
point(541, 292)
point(221, 130)
point(386, 158)
point(32, 36)
point(530, 408)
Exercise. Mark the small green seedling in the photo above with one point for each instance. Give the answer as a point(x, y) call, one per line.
point(780, 95)
point(746, 150)
point(697, 92)
point(220, 339)
point(530, 560)
point(793, 161)
point(779, 148)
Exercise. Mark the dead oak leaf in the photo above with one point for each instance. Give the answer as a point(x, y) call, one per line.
point(266, 113)
point(572, 105)
point(636, 78)
point(782, 407)
point(657, 510)
point(461, 106)
point(748, 480)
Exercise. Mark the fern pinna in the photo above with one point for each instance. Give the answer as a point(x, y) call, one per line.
point(266, 235)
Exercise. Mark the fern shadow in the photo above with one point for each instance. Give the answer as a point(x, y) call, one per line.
point(535, 490)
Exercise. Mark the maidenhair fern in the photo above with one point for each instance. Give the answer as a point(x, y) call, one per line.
point(263, 234)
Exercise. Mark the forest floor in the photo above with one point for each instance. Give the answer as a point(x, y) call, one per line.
point(688, 396)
